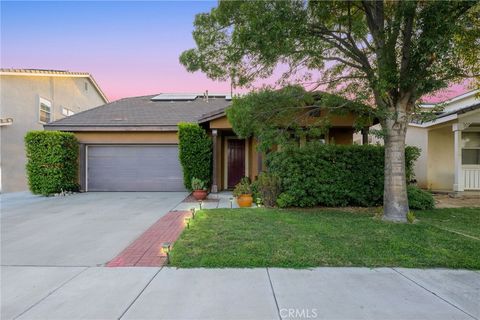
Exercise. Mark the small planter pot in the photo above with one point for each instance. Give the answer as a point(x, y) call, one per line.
point(200, 194)
point(245, 200)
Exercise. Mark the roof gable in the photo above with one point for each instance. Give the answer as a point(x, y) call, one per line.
point(54, 73)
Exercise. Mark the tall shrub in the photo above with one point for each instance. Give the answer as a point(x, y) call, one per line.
point(332, 175)
point(268, 188)
point(195, 153)
point(52, 161)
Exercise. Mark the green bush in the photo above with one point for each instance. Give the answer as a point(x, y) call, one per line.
point(285, 200)
point(243, 187)
point(419, 199)
point(332, 175)
point(198, 184)
point(411, 217)
point(257, 198)
point(195, 152)
point(52, 161)
point(267, 187)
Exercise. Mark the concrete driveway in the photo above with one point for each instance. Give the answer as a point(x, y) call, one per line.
point(86, 229)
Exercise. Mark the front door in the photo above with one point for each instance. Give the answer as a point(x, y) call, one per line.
point(235, 161)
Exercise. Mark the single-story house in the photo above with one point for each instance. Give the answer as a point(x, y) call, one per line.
point(132, 144)
point(450, 143)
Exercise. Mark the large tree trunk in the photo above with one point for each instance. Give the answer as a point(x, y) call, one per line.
point(395, 201)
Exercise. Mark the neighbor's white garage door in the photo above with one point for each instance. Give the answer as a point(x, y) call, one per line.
point(133, 168)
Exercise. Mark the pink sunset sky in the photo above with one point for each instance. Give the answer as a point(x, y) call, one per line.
point(130, 48)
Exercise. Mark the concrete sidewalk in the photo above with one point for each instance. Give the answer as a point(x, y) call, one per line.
point(169, 293)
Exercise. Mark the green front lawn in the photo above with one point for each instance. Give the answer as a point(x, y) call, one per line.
point(322, 237)
point(465, 221)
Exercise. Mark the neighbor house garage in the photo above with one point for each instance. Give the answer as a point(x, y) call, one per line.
point(132, 144)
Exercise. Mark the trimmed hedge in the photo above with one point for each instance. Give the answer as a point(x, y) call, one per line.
point(419, 199)
point(195, 152)
point(52, 161)
point(332, 175)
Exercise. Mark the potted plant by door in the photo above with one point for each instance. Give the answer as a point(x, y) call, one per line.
point(243, 192)
point(199, 188)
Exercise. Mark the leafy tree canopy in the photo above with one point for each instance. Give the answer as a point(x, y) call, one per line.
point(278, 117)
point(386, 51)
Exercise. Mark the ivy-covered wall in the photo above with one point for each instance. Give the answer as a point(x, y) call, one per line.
point(52, 161)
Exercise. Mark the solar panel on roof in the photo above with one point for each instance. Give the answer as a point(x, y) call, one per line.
point(175, 96)
point(189, 96)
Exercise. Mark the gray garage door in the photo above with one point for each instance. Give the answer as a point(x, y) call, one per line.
point(134, 168)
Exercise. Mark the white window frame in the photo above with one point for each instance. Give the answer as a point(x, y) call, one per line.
point(469, 148)
point(48, 103)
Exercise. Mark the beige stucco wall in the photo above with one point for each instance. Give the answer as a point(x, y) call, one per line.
point(418, 137)
point(434, 169)
point(253, 159)
point(19, 99)
point(220, 123)
point(440, 158)
point(127, 137)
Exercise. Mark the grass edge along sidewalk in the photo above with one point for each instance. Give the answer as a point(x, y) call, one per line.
point(328, 237)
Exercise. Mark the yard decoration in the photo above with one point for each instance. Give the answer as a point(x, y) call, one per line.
point(243, 192)
point(199, 189)
point(383, 54)
point(166, 248)
point(187, 222)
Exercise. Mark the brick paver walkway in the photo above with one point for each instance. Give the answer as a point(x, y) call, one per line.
point(145, 250)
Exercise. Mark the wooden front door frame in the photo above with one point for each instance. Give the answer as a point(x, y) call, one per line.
point(225, 158)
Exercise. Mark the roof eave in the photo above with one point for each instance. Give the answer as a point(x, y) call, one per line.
point(12, 72)
point(212, 116)
point(446, 117)
point(106, 128)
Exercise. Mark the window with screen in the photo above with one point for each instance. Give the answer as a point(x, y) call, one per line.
point(44, 111)
point(471, 148)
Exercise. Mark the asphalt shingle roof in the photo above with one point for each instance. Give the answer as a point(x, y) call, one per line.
point(142, 111)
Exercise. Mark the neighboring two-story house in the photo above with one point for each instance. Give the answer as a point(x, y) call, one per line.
point(31, 98)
